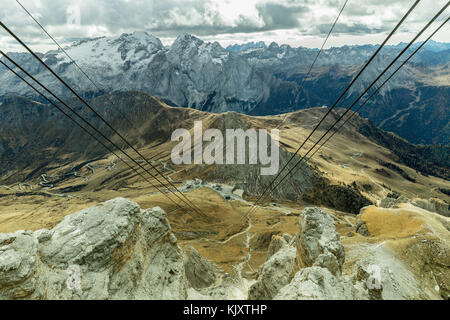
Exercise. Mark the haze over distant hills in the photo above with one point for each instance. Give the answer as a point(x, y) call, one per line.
point(256, 79)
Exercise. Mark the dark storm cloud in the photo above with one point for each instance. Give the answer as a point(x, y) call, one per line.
point(279, 16)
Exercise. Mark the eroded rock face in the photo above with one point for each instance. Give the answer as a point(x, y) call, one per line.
point(393, 202)
point(384, 278)
point(278, 243)
point(308, 266)
point(118, 251)
point(275, 273)
point(200, 272)
point(433, 205)
point(319, 259)
point(318, 243)
point(316, 283)
point(17, 264)
point(370, 275)
point(111, 251)
point(361, 227)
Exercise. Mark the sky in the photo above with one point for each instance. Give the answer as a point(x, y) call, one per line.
point(294, 22)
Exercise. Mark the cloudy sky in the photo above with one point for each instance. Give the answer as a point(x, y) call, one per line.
point(294, 22)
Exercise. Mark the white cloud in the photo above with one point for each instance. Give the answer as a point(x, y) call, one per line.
point(285, 21)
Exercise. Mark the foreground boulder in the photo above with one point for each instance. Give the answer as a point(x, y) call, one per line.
point(111, 251)
point(18, 255)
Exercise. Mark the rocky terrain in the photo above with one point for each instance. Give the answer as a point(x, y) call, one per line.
point(254, 78)
point(111, 251)
point(366, 218)
point(116, 250)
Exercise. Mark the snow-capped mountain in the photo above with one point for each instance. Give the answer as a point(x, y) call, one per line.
point(189, 73)
point(250, 78)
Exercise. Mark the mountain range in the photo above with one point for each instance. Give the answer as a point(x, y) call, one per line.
point(254, 78)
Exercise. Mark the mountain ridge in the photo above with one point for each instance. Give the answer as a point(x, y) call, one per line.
point(258, 81)
point(37, 134)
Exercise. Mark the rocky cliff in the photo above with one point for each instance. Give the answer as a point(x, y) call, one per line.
point(111, 251)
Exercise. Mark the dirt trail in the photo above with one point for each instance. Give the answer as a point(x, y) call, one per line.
point(410, 106)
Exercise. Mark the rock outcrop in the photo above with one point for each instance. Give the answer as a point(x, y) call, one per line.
point(307, 267)
point(361, 227)
point(275, 273)
point(118, 251)
point(434, 205)
point(316, 283)
point(18, 265)
point(393, 201)
point(278, 242)
point(200, 272)
point(111, 251)
point(320, 258)
point(318, 243)
point(375, 278)
point(408, 255)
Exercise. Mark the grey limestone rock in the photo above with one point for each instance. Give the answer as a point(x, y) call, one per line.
point(277, 243)
point(316, 283)
point(275, 273)
point(111, 251)
point(318, 243)
point(200, 272)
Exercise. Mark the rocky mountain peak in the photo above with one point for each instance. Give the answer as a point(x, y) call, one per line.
point(186, 41)
point(139, 37)
point(274, 46)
